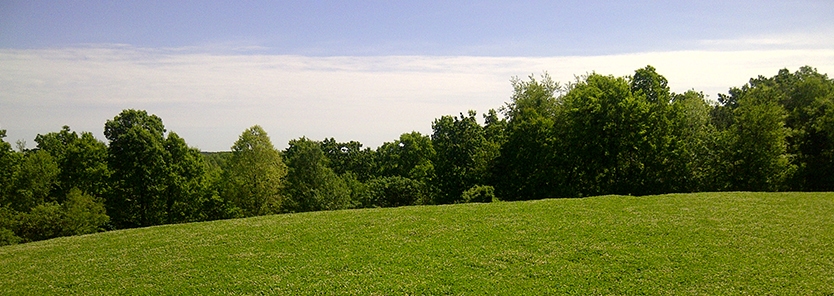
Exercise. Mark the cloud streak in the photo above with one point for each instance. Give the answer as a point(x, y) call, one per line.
point(209, 99)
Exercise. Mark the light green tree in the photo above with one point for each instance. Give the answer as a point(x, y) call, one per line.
point(255, 175)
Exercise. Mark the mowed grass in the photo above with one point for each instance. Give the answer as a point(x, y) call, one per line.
point(708, 243)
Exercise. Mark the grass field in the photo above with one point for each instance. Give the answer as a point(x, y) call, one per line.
point(711, 243)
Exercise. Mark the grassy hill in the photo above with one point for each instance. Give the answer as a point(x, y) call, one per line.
point(712, 243)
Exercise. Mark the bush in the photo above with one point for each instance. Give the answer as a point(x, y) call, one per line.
point(43, 222)
point(83, 214)
point(393, 192)
point(8, 222)
point(479, 193)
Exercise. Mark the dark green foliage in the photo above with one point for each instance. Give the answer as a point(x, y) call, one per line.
point(605, 130)
point(9, 161)
point(42, 222)
point(463, 155)
point(8, 223)
point(350, 157)
point(78, 214)
point(757, 146)
point(479, 193)
point(694, 157)
point(793, 149)
point(311, 184)
point(394, 191)
point(155, 180)
point(82, 161)
point(603, 135)
point(187, 181)
point(136, 156)
point(410, 157)
point(33, 180)
point(526, 167)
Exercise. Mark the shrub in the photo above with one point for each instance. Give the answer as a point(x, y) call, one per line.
point(83, 214)
point(479, 193)
point(393, 192)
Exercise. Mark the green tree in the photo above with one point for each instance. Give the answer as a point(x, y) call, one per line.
point(9, 160)
point(82, 161)
point(136, 156)
point(155, 179)
point(9, 220)
point(607, 131)
point(696, 157)
point(410, 156)
point(36, 175)
point(311, 184)
point(479, 193)
point(653, 86)
point(43, 221)
point(528, 164)
point(350, 157)
point(463, 155)
point(83, 213)
point(187, 185)
point(807, 97)
point(757, 143)
point(255, 174)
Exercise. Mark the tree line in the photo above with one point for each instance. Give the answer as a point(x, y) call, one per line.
point(596, 135)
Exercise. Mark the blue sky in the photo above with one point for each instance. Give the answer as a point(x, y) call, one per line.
point(482, 28)
point(365, 70)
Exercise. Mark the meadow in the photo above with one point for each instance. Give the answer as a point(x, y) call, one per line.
point(704, 243)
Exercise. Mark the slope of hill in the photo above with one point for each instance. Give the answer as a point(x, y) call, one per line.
point(708, 243)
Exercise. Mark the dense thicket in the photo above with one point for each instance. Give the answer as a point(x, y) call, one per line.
point(597, 135)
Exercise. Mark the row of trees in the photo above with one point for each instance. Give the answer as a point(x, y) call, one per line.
point(597, 135)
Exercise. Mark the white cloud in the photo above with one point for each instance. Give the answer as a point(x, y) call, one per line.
point(209, 99)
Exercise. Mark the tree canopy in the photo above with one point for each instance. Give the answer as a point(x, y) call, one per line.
point(599, 134)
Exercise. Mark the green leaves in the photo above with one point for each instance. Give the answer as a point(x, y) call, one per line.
point(463, 155)
point(311, 184)
point(155, 180)
point(255, 174)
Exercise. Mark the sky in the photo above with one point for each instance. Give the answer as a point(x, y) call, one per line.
point(366, 70)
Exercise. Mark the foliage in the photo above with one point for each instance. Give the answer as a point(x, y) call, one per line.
point(479, 193)
point(463, 155)
point(137, 157)
point(155, 179)
point(255, 174)
point(394, 191)
point(8, 223)
point(83, 214)
point(82, 161)
point(410, 156)
point(350, 157)
point(8, 167)
point(42, 222)
point(526, 164)
point(311, 184)
point(33, 180)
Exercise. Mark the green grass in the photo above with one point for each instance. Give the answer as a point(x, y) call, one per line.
point(712, 243)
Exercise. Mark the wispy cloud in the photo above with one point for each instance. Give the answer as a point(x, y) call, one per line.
point(209, 97)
